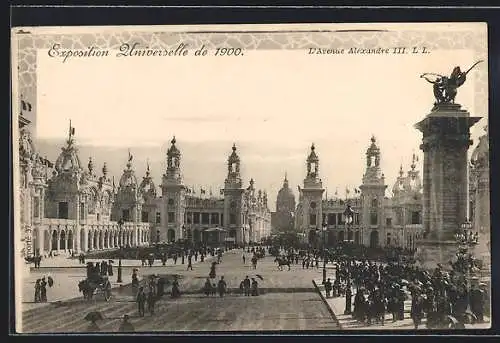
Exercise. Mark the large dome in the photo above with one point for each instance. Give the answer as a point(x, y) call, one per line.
point(285, 198)
point(285, 194)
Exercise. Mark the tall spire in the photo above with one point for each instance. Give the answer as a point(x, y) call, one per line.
point(71, 133)
point(90, 165)
point(414, 161)
point(130, 158)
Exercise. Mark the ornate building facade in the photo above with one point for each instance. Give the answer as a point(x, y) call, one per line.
point(479, 198)
point(375, 220)
point(68, 208)
point(65, 207)
point(239, 215)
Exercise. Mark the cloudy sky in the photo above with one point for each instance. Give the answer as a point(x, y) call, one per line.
point(272, 104)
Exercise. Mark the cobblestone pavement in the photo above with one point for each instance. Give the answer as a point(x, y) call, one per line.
point(289, 301)
point(300, 311)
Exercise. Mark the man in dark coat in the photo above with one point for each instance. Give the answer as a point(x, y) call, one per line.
point(246, 286)
point(161, 286)
point(110, 268)
point(222, 286)
point(141, 301)
point(417, 309)
point(348, 299)
point(328, 287)
point(151, 299)
point(43, 290)
point(477, 303)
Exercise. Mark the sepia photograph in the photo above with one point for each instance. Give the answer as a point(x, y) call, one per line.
point(251, 178)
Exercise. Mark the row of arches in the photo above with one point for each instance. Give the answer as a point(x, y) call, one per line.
point(64, 240)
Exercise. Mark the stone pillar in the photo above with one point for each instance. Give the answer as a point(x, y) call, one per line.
point(84, 245)
point(76, 240)
point(446, 140)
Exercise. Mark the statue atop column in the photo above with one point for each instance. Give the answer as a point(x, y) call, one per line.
point(445, 87)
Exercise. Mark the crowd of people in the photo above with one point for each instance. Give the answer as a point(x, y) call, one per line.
point(440, 296)
point(98, 269)
point(41, 289)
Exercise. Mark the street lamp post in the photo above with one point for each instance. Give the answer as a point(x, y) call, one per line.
point(119, 276)
point(466, 239)
point(183, 242)
point(324, 228)
point(349, 215)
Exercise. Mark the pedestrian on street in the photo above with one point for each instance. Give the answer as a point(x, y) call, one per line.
point(222, 286)
point(151, 299)
point(110, 268)
point(37, 291)
point(328, 287)
point(255, 287)
point(348, 299)
point(477, 303)
point(208, 287)
point(244, 258)
point(161, 287)
point(125, 325)
point(417, 309)
point(135, 281)
point(246, 286)
point(190, 263)
point(141, 300)
point(43, 290)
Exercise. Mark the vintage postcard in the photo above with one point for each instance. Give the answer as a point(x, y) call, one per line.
point(251, 178)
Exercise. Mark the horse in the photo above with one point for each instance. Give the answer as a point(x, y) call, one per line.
point(86, 288)
point(282, 262)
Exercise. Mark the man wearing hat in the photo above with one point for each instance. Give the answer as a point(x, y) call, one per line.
point(141, 301)
point(110, 267)
point(477, 302)
point(417, 307)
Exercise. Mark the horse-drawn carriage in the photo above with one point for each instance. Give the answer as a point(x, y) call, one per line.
point(94, 286)
point(260, 254)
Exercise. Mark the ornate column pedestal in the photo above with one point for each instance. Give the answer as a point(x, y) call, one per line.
point(431, 252)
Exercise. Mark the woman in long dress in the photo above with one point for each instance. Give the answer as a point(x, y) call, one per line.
point(37, 291)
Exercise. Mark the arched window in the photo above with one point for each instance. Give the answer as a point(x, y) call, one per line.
point(374, 202)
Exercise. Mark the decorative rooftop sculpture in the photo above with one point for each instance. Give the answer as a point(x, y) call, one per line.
point(445, 88)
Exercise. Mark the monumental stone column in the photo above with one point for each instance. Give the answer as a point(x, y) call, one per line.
point(445, 142)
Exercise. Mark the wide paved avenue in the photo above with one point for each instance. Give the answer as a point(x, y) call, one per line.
point(288, 302)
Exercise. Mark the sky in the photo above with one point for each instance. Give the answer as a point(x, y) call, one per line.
point(273, 104)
